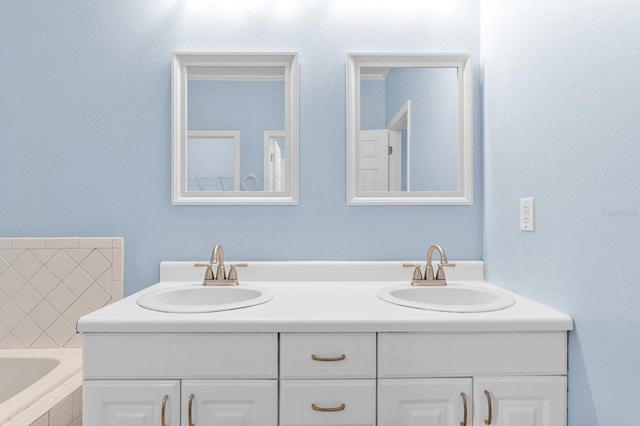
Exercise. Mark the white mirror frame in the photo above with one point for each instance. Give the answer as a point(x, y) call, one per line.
point(460, 61)
point(182, 60)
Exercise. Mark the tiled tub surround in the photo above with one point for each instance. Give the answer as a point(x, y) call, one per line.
point(46, 284)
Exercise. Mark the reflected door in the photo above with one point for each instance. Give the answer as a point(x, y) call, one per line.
point(275, 179)
point(373, 160)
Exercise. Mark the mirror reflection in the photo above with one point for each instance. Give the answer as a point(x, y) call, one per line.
point(408, 129)
point(212, 161)
point(235, 128)
point(389, 98)
point(249, 100)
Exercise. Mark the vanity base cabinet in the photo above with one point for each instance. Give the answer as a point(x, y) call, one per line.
point(433, 402)
point(233, 378)
point(131, 402)
point(508, 378)
point(327, 379)
point(522, 401)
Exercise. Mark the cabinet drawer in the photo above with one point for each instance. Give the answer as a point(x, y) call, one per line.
point(322, 355)
point(180, 355)
point(327, 402)
point(467, 354)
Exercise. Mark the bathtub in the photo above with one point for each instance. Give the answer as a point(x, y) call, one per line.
point(29, 376)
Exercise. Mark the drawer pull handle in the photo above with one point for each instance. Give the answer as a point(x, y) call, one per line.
point(488, 420)
point(341, 407)
point(337, 358)
point(464, 411)
point(164, 410)
point(191, 409)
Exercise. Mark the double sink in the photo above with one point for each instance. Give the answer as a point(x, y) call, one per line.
point(196, 298)
point(220, 291)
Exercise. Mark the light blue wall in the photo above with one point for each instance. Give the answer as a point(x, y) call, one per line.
point(85, 127)
point(85, 124)
point(562, 124)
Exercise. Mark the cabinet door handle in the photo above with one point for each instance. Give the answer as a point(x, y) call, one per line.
point(489, 415)
point(164, 410)
point(341, 407)
point(464, 409)
point(191, 409)
point(337, 358)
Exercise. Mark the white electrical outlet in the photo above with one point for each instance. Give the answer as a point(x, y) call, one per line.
point(527, 214)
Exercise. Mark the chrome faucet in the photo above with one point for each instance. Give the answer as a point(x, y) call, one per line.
point(428, 279)
point(220, 277)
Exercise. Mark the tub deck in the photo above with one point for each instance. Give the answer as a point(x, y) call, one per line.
point(61, 370)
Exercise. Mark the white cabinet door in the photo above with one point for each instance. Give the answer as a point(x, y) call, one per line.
point(230, 402)
point(131, 402)
point(522, 401)
point(424, 402)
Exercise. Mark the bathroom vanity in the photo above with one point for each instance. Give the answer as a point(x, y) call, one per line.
point(325, 352)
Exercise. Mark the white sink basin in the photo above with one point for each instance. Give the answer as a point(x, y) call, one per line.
point(449, 298)
point(198, 299)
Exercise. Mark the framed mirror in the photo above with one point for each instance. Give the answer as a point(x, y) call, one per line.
point(234, 128)
point(409, 129)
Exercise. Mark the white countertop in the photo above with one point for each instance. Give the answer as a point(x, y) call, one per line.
point(347, 304)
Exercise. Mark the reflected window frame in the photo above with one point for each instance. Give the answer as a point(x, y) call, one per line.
point(233, 135)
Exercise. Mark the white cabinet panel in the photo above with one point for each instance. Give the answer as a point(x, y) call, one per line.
point(327, 402)
point(230, 402)
point(131, 403)
point(425, 402)
point(522, 401)
point(470, 354)
point(180, 355)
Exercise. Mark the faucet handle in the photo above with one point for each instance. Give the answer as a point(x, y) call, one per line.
point(208, 275)
point(233, 274)
point(417, 273)
point(440, 273)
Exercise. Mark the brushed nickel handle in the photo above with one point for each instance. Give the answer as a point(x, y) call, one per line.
point(464, 412)
point(338, 358)
point(233, 274)
point(417, 272)
point(164, 410)
point(341, 407)
point(489, 415)
point(191, 409)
